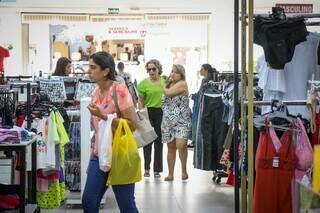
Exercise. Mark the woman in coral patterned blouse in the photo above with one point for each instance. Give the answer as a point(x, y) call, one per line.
point(102, 72)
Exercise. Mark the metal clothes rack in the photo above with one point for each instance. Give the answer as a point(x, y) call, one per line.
point(19, 77)
point(248, 16)
point(20, 84)
point(302, 15)
point(236, 104)
point(32, 177)
point(286, 102)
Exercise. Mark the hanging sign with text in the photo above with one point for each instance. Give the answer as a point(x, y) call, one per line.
point(296, 8)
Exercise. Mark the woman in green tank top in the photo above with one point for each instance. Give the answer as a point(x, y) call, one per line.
point(150, 94)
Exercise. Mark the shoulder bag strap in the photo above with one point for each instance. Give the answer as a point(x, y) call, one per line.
point(115, 101)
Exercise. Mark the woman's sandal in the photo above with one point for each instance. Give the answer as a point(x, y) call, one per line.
point(168, 178)
point(146, 173)
point(185, 177)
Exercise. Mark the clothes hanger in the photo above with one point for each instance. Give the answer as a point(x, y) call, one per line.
point(212, 86)
point(281, 113)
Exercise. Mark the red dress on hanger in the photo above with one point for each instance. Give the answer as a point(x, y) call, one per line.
point(274, 174)
point(4, 53)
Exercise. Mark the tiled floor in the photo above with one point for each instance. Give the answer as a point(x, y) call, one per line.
point(197, 195)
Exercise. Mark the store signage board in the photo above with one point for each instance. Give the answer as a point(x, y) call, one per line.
point(296, 8)
point(113, 11)
point(137, 32)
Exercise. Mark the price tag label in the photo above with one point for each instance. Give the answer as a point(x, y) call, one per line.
point(276, 162)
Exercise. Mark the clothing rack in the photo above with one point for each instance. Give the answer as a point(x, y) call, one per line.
point(249, 15)
point(214, 83)
point(315, 23)
point(8, 105)
point(22, 85)
point(32, 176)
point(19, 77)
point(303, 15)
point(285, 102)
point(80, 73)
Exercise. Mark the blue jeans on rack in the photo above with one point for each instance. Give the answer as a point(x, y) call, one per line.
point(96, 187)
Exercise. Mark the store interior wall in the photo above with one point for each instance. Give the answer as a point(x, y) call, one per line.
point(220, 52)
point(10, 34)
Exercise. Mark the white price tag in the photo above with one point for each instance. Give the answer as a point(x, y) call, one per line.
point(275, 162)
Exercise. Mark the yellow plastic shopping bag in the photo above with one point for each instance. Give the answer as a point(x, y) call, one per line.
point(126, 162)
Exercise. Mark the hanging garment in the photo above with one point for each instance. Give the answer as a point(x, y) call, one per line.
point(54, 88)
point(7, 107)
point(294, 79)
point(195, 113)
point(299, 71)
point(39, 125)
point(52, 139)
point(72, 149)
point(210, 135)
point(53, 197)
point(73, 175)
point(303, 151)
point(274, 174)
point(279, 38)
point(4, 53)
point(262, 70)
point(64, 138)
point(271, 81)
point(229, 103)
point(84, 90)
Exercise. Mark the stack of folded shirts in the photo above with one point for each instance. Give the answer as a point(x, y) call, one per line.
point(9, 136)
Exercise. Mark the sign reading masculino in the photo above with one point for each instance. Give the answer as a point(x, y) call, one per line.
point(296, 8)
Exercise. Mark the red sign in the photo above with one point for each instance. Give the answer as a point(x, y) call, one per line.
point(121, 30)
point(296, 8)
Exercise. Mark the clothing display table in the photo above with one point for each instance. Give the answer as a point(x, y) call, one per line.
point(21, 148)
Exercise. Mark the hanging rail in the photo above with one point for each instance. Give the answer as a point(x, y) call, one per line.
point(306, 16)
point(286, 102)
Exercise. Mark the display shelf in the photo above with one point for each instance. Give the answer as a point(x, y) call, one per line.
point(21, 144)
point(22, 149)
point(74, 198)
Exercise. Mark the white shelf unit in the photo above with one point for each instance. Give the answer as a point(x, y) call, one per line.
point(74, 198)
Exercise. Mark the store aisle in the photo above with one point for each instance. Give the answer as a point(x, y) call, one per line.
point(197, 195)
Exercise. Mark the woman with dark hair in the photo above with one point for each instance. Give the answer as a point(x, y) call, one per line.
point(150, 94)
point(209, 73)
point(102, 71)
point(63, 67)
